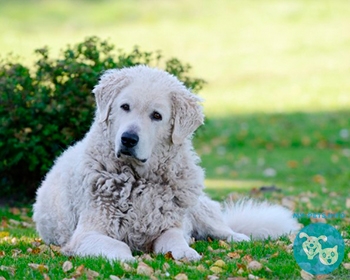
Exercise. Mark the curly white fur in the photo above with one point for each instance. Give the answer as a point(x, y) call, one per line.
point(104, 197)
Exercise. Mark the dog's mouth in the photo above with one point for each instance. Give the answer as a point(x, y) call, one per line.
point(130, 154)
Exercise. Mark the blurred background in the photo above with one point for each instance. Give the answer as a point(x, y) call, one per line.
point(277, 96)
point(266, 56)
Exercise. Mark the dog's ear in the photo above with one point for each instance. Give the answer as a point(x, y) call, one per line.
point(110, 84)
point(303, 234)
point(322, 237)
point(187, 115)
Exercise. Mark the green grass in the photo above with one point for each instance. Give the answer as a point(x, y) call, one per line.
point(277, 100)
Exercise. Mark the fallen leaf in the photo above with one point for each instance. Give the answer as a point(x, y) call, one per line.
point(144, 269)
point(254, 265)
point(126, 267)
point(219, 263)
point(347, 203)
point(67, 265)
point(236, 278)
point(318, 220)
point(292, 164)
point(40, 267)
point(212, 277)
point(15, 211)
point(147, 257)
point(319, 179)
point(166, 266)
point(181, 276)
point(4, 234)
point(46, 277)
point(113, 277)
point(2, 254)
point(216, 269)
point(288, 202)
point(169, 256)
point(233, 255)
point(56, 249)
point(201, 268)
point(306, 275)
point(270, 172)
point(224, 244)
point(91, 274)
point(79, 271)
point(16, 252)
point(253, 277)
point(247, 258)
point(346, 265)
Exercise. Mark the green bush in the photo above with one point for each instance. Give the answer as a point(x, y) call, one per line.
point(48, 106)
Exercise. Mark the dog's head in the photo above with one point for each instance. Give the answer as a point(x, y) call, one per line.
point(144, 110)
point(311, 245)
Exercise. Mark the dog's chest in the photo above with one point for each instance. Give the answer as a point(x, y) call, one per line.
point(138, 211)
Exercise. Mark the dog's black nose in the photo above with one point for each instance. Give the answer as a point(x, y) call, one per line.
point(129, 140)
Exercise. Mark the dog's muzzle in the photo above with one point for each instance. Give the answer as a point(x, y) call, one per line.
point(129, 141)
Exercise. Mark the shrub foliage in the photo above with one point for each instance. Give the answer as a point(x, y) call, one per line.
point(48, 106)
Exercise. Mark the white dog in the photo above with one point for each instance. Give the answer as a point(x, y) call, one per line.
point(133, 182)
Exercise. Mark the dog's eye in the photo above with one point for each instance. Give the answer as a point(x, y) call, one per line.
point(156, 116)
point(125, 107)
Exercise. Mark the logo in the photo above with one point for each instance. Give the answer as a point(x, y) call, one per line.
point(319, 248)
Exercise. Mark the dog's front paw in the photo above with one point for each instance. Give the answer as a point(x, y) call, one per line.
point(237, 237)
point(187, 253)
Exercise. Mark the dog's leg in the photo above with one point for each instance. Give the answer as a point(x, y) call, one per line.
point(93, 243)
point(207, 221)
point(173, 241)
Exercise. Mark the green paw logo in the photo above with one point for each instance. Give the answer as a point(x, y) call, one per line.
point(319, 248)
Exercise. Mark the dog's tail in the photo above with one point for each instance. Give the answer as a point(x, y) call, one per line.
point(259, 220)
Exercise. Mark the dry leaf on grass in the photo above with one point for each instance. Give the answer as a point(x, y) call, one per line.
point(4, 234)
point(216, 251)
point(253, 277)
point(201, 268)
point(181, 276)
point(40, 267)
point(223, 244)
point(318, 220)
point(219, 263)
point(126, 267)
point(144, 269)
point(212, 277)
point(91, 274)
point(166, 266)
point(346, 265)
point(216, 269)
point(234, 255)
point(169, 256)
point(288, 202)
point(67, 266)
point(347, 203)
point(247, 258)
point(78, 271)
point(306, 275)
point(218, 266)
point(254, 265)
point(113, 277)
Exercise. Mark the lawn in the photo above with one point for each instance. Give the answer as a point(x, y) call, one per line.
point(277, 101)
